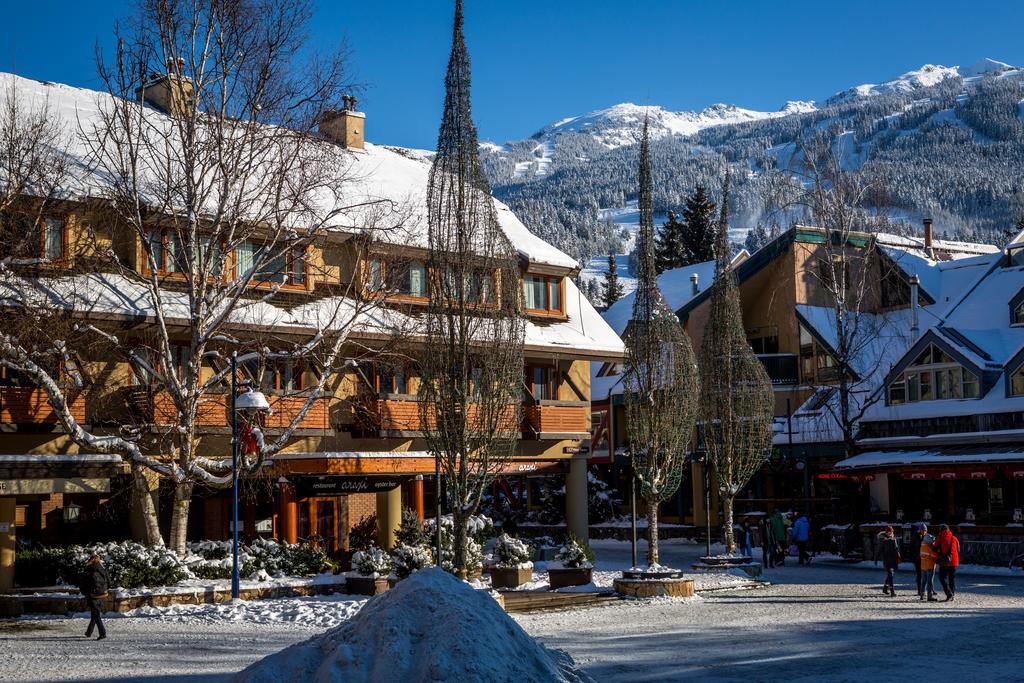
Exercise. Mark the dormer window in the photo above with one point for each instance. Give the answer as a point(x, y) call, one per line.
point(1018, 315)
point(1017, 382)
point(542, 294)
point(275, 264)
point(934, 376)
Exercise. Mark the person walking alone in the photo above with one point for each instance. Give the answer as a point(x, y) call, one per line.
point(769, 546)
point(947, 546)
point(801, 536)
point(889, 551)
point(928, 558)
point(778, 524)
point(94, 586)
point(746, 538)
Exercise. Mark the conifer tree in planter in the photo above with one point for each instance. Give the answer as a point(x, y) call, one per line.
point(660, 378)
point(573, 565)
point(736, 400)
point(512, 566)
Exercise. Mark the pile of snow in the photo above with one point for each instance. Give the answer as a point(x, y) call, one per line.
point(430, 627)
point(317, 612)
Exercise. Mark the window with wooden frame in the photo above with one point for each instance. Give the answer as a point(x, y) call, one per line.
point(540, 382)
point(278, 375)
point(52, 239)
point(180, 354)
point(392, 379)
point(1017, 382)
point(934, 376)
point(816, 363)
point(406, 278)
point(274, 264)
point(543, 294)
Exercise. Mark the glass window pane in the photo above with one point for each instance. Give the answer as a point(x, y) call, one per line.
point(54, 239)
point(374, 275)
point(417, 279)
point(1018, 314)
point(244, 257)
point(1016, 384)
point(925, 379)
point(913, 388)
point(556, 295)
point(298, 267)
point(540, 294)
point(172, 261)
point(156, 248)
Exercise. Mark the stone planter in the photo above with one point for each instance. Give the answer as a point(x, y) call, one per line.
point(569, 576)
point(366, 585)
point(654, 588)
point(510, 577)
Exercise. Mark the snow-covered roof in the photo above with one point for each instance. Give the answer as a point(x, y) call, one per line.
point(875, 459)
point(384, 186)
point(677, 288)
point(582, 333)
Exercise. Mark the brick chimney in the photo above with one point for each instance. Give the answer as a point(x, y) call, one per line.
point(170, 92)
point(928, 236)
point(344, 126)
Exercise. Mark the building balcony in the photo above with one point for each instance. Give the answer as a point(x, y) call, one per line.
point(28, 405)
point(556, 419)
point(398, 415)
point(157, 407)
point(781, 368)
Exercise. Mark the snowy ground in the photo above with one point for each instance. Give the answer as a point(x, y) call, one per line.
point(823, 622)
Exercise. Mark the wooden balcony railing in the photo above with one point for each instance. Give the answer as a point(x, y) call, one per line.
point(402, 415)
point(27, 405)
point(557, 417)
point(215, 411)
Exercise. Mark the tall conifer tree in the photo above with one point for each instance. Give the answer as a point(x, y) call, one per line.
point(697, 238)
point(612, 287)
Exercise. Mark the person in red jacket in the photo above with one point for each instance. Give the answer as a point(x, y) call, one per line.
point(948, 548)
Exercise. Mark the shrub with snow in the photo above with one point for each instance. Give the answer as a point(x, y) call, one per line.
point(480, 530)
point(405, 559)
point(373, 563)
point(129, 564)
point(510, 552)
point(575, 554)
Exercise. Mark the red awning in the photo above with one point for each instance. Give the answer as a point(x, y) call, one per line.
point(951, 473)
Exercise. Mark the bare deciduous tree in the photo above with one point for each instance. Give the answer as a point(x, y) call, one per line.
point(858, 285)
point(737, 403)
point(222, 197)
point(472, 364)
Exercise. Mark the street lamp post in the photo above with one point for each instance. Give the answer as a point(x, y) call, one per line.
point(632, 510)
point(235, 577)
point(251, 402)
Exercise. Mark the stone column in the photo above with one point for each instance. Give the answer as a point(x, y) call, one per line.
point(7, 508)
point(576, 514)
point(288, 524)
point(389, 516)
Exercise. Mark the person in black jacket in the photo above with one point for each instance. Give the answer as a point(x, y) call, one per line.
point(889, 551)
point(768, 543)
point(94, 586)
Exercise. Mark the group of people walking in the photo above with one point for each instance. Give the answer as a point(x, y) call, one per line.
point(778, 538)
point(927, 553)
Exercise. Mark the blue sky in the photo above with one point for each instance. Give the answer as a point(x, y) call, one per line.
point(536, 61)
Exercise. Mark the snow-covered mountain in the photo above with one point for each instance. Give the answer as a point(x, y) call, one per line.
point(618, 125)
point(925, 77)
point(947, 140)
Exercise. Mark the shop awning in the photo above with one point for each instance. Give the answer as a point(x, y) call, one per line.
point(939, 463)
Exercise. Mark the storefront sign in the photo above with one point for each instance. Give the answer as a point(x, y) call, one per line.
point(832, 475)
point(307, 487)
point(534, 467)
point(25, 487)
point(576, 449)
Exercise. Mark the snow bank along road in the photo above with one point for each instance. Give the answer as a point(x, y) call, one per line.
point(817, 623)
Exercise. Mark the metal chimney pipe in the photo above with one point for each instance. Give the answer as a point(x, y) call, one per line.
point(694, 279)
point(915, 283)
